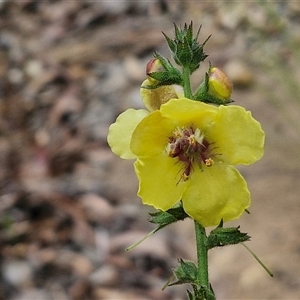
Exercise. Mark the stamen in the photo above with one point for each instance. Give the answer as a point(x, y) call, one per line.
point(192, 140)
point(170, 149)
point(190, 147)
point(184, 177)
point(209, 162)
point(198, 136)
point(177, 133)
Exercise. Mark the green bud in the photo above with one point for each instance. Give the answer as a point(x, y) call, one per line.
point(216, 88)
point(187, 51)
point(161, 72)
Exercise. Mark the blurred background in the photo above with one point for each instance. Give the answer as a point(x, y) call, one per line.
point(68, 206)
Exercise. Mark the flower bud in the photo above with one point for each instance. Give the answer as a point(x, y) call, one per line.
point(154, 65)
point(154, 98)
point(219, 85)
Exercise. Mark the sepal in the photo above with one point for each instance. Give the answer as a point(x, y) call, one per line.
point(203, 293)
point(221, 236)
point(169, 75)
point(185, 272)
point(186, 50)
point(164, 218)
point(203, 94)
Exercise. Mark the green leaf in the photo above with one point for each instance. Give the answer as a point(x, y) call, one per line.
point(170, 75)
point(184, 54)
point(165, 78)
point(189, 31)
point(202, 293)
point(185, 272)
point(164, 62)
point(186, 50)
point(205, 294)
point(220, 236)
point(164, 218)
point(170, 42)
point(177, 32)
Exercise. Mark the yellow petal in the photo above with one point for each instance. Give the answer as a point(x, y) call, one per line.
point(154, 98)
point(219, 192)
point(159, 181)
point(151, 135)
point(188, 111)
point(120, 132)
point(237, 135)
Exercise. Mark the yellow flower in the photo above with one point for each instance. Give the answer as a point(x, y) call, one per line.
point(128, 120)
point(187, 151)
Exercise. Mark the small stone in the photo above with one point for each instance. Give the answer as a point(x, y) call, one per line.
point(40, 257)
point(294, 8)
point(33, 68)
point(232, 17)
point(42, 137)
point(7, 201)
point(105, 275)
point(15, 76)
point(78, 263)
point(33, 294)
point(99, 158)
point(115, 8)
point(96, 208)
point(79, 290)
point(114, 294)
point(17, 272)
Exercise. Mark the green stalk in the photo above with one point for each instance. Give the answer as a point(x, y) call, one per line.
point(187, 83)
point(202, 255)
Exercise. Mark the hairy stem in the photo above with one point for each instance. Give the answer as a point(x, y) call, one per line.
point(187, 83)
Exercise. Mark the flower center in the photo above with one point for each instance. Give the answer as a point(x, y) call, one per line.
point(189, 146)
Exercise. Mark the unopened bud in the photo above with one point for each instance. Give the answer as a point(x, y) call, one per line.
point(154, 65)
point(154, 98)
point(219, 85)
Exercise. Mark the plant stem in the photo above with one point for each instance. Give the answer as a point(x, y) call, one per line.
point(203, 290)
point(187, 83)
point(202, 255)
